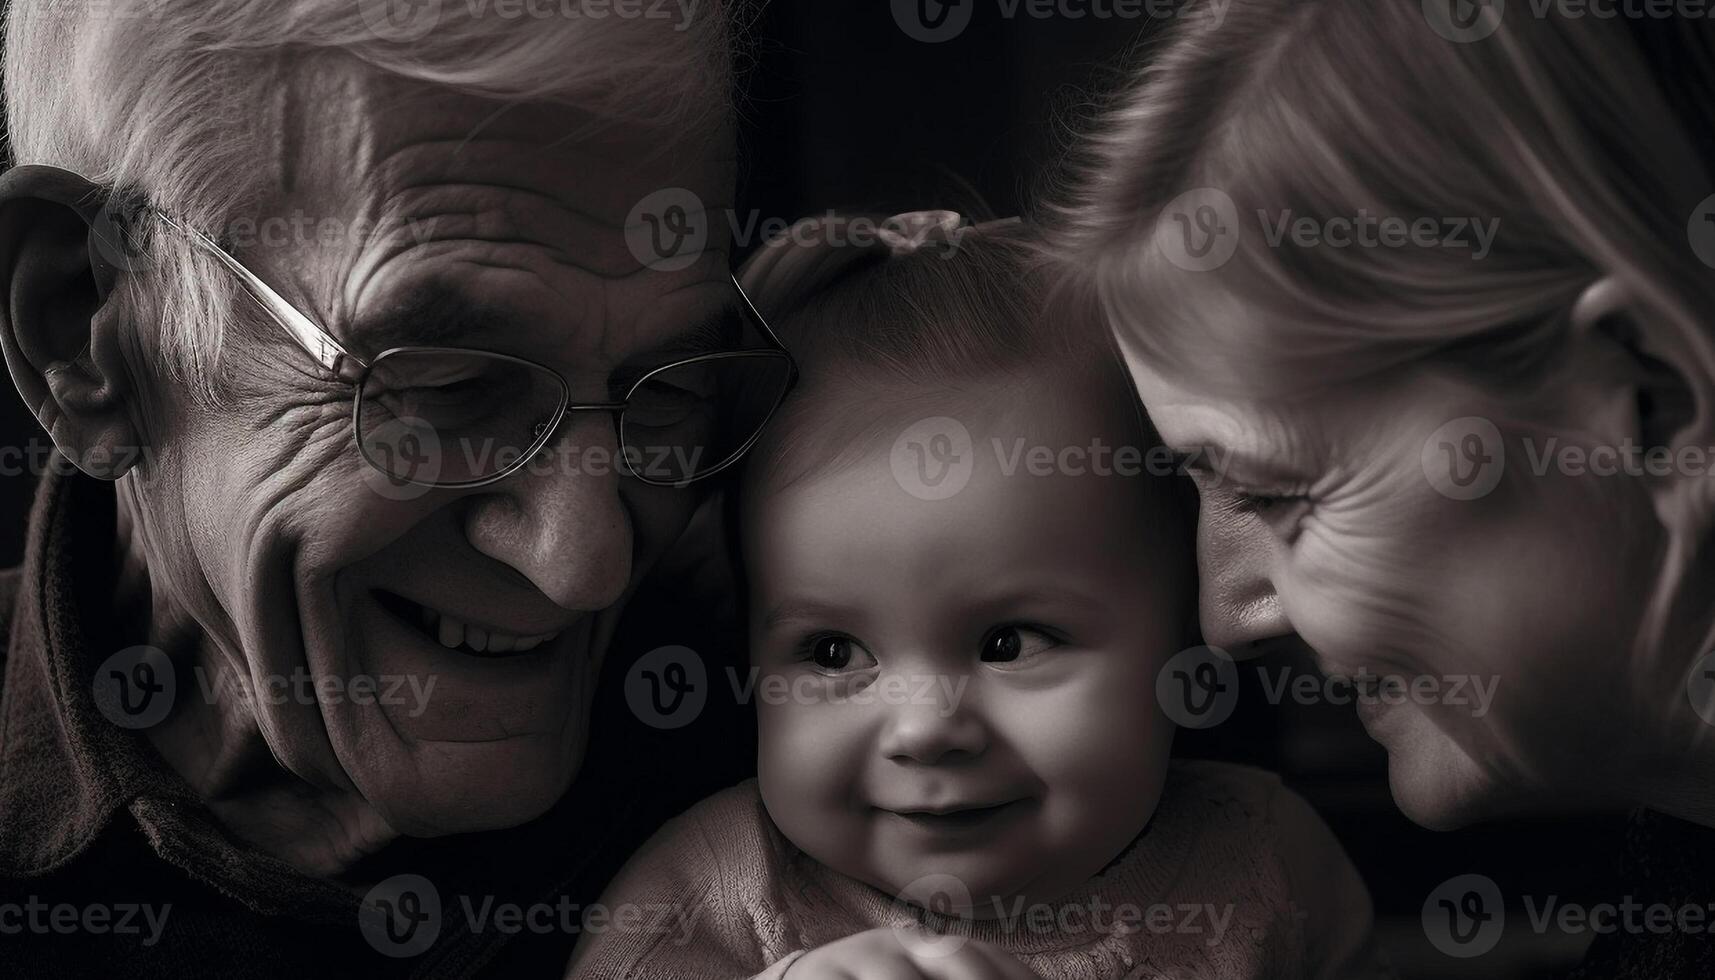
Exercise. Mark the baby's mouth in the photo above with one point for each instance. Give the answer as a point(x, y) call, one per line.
point(956, 819)
point(458, 634)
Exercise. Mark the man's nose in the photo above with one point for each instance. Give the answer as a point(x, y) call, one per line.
point(560, 520)
point(932, 725)
point(1236, 556)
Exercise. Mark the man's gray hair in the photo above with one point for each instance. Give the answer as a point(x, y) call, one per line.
point(161, 98)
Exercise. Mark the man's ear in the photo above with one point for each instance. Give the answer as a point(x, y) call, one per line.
point(61, 335)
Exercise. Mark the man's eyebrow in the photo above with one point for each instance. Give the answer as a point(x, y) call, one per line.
point(435, 317)
point(716, 330)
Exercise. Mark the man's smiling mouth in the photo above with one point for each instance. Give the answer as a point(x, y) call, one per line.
point(459, 634)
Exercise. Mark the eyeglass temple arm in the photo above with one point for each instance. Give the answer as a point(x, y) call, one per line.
point(309, 335)
point(762, 321)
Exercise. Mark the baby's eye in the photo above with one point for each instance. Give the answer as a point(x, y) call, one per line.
point(832, 653)
point(1012, 643)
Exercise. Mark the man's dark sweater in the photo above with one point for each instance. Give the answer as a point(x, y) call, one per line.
point(110, 866)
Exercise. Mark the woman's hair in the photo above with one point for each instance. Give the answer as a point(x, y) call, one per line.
point(181, 102)
point(1586, 146)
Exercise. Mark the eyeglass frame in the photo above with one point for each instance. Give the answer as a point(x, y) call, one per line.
point(347, 367)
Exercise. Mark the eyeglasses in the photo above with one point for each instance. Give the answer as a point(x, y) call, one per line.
point(462, 417)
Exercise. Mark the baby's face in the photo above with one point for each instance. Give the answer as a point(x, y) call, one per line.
point(964, 686)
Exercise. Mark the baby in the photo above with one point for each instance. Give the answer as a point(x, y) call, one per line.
point(959, 605)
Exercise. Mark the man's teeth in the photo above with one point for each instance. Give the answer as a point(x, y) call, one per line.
point(456, 633)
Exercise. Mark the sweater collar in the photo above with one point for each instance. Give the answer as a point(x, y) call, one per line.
point(64, 768)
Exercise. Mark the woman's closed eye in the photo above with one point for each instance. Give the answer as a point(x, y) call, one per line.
point(1283, 511)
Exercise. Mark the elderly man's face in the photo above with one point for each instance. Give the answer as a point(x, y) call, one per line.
point(505, 232)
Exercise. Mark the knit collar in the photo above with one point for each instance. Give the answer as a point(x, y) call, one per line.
point(67, 773)
point(64, 768)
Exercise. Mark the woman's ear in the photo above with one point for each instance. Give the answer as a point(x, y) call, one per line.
point(59, 330)
point(1667, 370)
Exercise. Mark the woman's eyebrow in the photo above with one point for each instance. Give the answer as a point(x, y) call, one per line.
point(1223, 461)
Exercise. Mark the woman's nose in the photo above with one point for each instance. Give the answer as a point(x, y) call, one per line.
point(932, 726)
point(1238, 604)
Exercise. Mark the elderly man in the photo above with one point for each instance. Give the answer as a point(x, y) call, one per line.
point(382, 405)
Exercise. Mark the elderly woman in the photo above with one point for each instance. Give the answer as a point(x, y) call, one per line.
point(351, 321)
point(1424, 293)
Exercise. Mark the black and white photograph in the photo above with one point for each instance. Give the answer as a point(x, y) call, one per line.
point(857, 489)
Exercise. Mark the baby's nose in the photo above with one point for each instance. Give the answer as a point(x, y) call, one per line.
point(934, 726)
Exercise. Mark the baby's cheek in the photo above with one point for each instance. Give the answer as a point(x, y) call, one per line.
point(810, 767)
point(1102, 746)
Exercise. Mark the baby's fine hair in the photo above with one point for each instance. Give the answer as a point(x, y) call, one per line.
point(917, 305)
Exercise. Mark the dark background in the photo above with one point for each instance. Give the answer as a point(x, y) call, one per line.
point(846, 110)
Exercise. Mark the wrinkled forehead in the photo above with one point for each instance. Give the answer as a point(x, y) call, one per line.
point(431, 216)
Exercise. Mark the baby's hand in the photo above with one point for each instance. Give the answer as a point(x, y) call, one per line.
point(888, 954)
